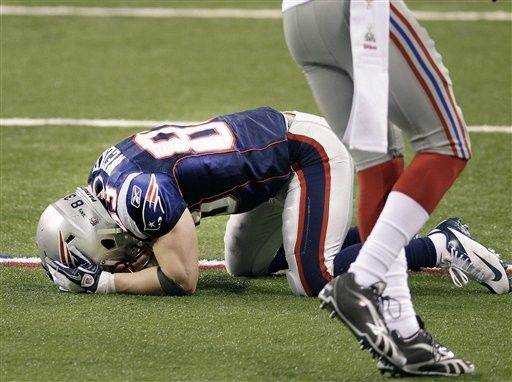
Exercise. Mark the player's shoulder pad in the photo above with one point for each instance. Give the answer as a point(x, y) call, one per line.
point(149, 205)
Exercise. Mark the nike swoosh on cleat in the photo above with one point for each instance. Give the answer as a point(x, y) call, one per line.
point(497, 273)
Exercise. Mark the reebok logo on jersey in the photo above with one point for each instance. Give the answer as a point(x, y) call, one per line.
point(136, 196)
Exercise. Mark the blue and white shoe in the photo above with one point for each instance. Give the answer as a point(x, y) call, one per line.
point(465, 257)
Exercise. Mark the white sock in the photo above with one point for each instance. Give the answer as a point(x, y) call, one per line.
point(439, 241)
point(398, 312)
point(401, 218)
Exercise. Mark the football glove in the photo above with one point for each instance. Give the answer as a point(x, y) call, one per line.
point(64, 284)
point(80, 274)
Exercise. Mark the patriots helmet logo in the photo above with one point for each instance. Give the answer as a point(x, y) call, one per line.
point(64, 255)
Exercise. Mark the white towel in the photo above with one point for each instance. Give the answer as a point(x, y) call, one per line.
point(367, 128)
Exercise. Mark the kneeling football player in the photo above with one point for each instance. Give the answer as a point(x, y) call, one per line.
point(156, 186)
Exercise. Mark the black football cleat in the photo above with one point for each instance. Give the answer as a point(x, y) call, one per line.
point(425, 357)
point(464, 256)
point(358, 309)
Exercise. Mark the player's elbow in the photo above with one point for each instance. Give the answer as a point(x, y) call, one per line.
point(188, 278)
point(189, 281)
point(179, 281)
point(191, 289)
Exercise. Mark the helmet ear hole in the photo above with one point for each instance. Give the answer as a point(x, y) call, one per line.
point(97, 186)
point(69, 239)
point(108, 243)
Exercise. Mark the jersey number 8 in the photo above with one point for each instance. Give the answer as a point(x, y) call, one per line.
point(166, 141)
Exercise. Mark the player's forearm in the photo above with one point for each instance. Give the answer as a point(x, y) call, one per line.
point(155, 282)
point(141, 282)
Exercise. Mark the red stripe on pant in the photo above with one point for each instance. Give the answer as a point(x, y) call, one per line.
point(427, 92)
point(444, 81)
point(300, 229)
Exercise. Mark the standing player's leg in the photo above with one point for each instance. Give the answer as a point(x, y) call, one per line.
point(354, 296)
point(318, 203)
point(422, 104)
point(316, 34)
point(376, 176)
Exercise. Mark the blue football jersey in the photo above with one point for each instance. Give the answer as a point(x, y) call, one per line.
point(229, 164)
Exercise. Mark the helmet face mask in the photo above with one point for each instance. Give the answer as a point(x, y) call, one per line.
point(80, 220)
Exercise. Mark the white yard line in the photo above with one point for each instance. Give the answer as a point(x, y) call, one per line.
point(204, 265)
point(33, 262)
point(490, 129)
point(207, 13)
point(198, 13)
point(463, 16)
point(41, 122)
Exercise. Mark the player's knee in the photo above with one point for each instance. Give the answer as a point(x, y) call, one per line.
point(235, 265)
point(464, 162)
point(365, 161)
point(234, 269)
point(295, 284)
point(303, 287)
point(234, 261)
point(232, 250)
point(238, 260)
point(461, 165)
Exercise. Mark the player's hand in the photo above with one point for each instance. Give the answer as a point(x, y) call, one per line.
point(139, 258)
point(80, 274)
point(59, 279)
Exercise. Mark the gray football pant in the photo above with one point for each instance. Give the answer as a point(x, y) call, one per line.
point(421, 101)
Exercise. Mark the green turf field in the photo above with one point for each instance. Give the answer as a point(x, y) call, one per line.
point(232, 329)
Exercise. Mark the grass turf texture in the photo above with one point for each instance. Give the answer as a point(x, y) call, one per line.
point(233, 328)
point(189, 69)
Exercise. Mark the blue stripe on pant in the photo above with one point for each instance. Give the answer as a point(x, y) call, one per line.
point(313, 172)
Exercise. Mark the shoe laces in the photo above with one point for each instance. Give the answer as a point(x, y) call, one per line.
point(466, 227)
point(456, 267)
point(384, 303)
point(433, 343)
point(439, 351)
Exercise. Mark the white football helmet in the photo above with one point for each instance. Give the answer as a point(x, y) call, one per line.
point(80, 220)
